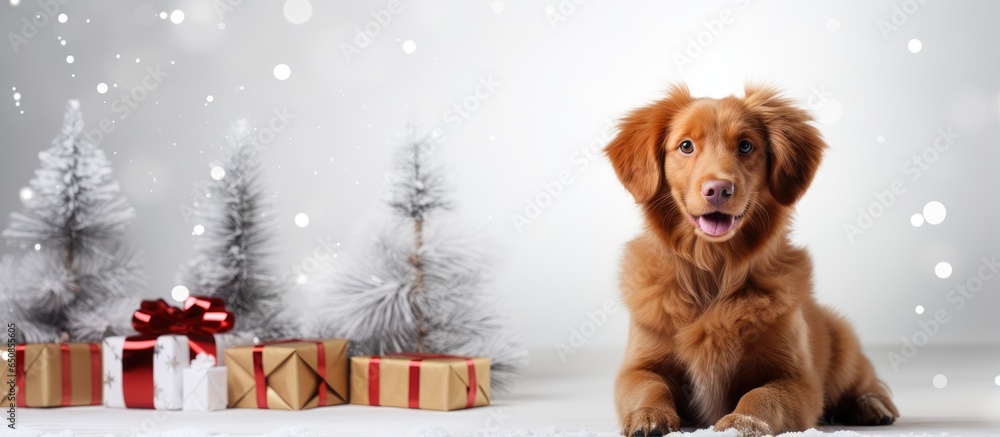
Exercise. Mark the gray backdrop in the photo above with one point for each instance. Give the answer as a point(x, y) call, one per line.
point(537, 84)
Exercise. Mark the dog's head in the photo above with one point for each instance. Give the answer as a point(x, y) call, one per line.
point(714, 165)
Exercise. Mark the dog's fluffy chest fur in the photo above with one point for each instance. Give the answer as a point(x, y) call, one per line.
point(712, 352)
point(709, 321)
point(707, 361)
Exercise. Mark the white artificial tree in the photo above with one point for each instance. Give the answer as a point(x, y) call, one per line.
point(422, 284)
point(230, 256)
point(71, 280)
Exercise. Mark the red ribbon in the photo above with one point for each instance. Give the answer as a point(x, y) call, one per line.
point(200, 318)
point(321, 366)
point(373, 380)
point(96, 385)
point(202, 344)
point(415, 383)
point(67, 375)
point(137, 371)
point(260, 378)
point(66, 368)
point(22, 396)
point(414, 388)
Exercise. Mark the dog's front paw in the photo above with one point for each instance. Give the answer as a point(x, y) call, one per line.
point(650, 422)
point(748, 426)
point(872, 411)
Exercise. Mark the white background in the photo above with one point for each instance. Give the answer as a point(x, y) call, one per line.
point(561, 82)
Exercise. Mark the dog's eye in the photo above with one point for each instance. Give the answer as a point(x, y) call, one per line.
point(687, 147)
point(745, 146)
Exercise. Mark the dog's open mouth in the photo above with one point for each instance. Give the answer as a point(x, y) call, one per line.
point(715, 223)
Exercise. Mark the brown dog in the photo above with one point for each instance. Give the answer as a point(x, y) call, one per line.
point(724, 327)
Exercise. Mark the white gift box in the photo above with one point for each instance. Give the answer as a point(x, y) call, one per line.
point(171, 355)
point(205, 389)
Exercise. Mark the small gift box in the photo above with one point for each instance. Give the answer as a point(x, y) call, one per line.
point(425, 381)
point(57, 375)
point(204, 385)
point(146, 370)
point(288, 375)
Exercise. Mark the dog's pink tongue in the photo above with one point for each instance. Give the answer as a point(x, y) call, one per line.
point(715, 224)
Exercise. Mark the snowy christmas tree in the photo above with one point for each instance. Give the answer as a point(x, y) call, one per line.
point(230, 255)
point(422, 284)
point(71, 281)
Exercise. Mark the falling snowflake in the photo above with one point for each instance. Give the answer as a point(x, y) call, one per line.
point(942, 269)
point(409, 46)
point(282, 72)
point(934, 212)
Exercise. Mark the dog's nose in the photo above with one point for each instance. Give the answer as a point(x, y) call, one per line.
point(717, 191)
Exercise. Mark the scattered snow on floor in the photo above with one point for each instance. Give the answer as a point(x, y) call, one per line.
point(288, 431)
point(557, 432)
point(433, 431)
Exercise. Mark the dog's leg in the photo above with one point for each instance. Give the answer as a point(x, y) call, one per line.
point(869, 403)
point(645, 403)
point(786, 404)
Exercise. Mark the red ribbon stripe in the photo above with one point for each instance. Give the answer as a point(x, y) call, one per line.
point(373, 381)
point(22, 395)
point(415, 383)
point(96, 384)
point(321, 366)
point(137, 371)
point(260, 379)
point(473, 385)
point(67, 374)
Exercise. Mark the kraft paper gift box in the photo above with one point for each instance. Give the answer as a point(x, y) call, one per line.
point(57, 375)
point(150, 375)
point(288, 375)
point(425, 381)
point(204, 385)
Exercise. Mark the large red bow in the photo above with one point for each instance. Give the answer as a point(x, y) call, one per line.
point(201, 315)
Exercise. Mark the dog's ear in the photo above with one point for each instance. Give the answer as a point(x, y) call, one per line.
point(637, 152)
point(795, 147)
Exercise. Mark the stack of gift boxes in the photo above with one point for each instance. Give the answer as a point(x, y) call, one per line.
point(185, 359)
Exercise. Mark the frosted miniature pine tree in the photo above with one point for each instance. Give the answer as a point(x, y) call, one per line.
point(229, 260)
point(71, 280)
point(422, 285)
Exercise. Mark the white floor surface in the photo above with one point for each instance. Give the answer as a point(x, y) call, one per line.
point(573, 395)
